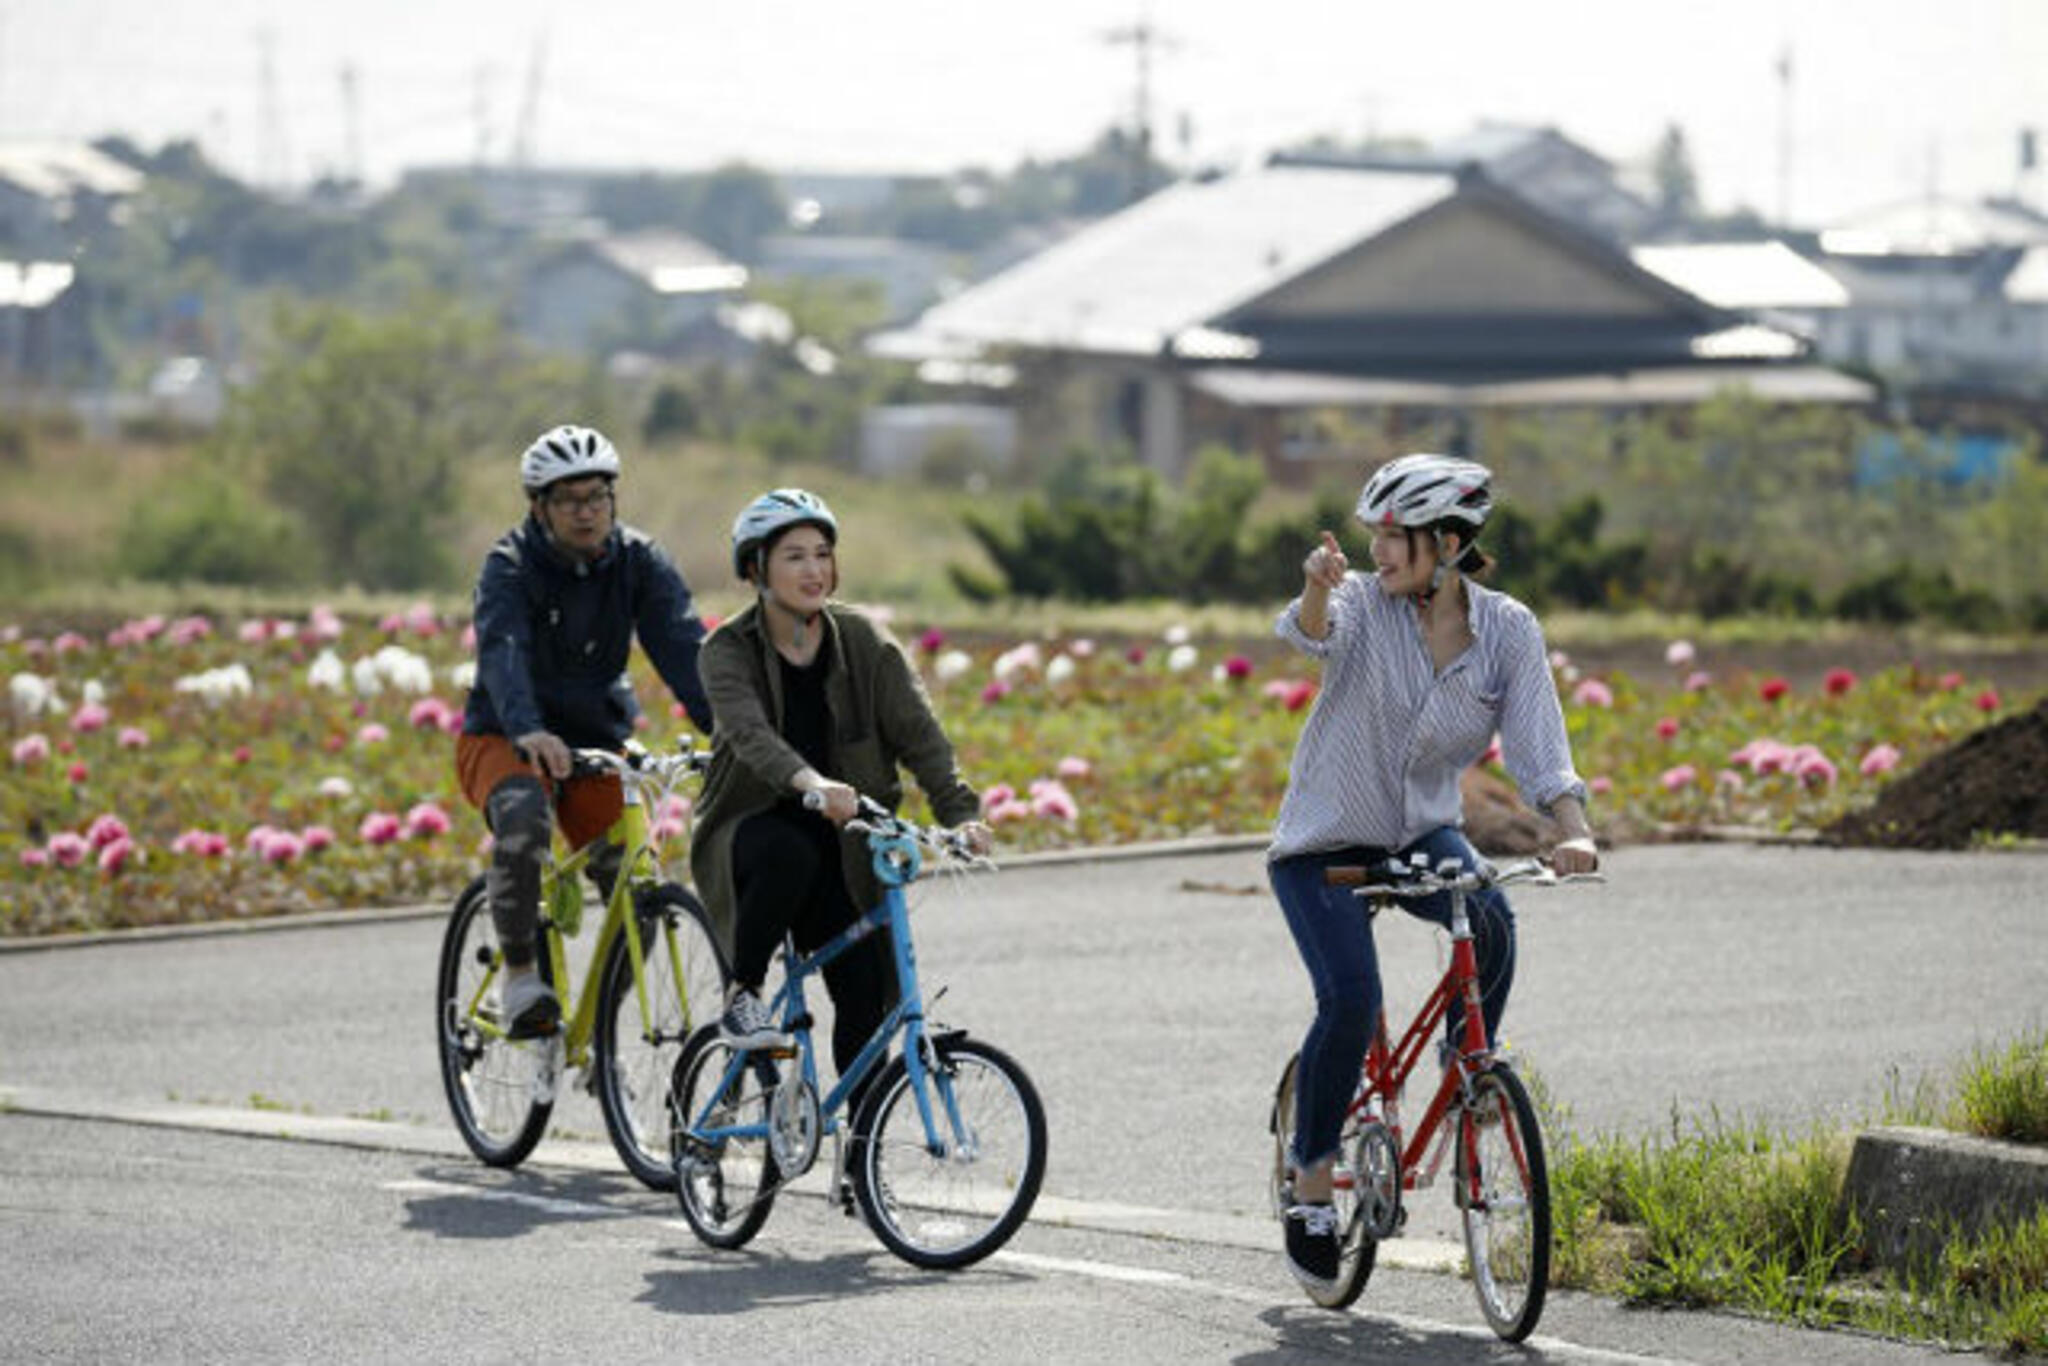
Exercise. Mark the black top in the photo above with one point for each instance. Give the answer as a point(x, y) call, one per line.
point(553, 635)
point(806, 718)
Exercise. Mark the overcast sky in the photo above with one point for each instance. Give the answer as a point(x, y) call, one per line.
point(1888, 99)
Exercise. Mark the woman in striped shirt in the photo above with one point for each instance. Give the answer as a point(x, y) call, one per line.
point(1421, 669)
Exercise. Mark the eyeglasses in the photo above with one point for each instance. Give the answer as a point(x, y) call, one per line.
point(598, 501)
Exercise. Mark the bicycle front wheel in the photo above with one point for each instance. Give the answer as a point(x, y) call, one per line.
point(1356, 1253)
point(500, 1090)
point(725, 1182)
point(949, 1199)
point(636, 1052)
point(1503, 1195)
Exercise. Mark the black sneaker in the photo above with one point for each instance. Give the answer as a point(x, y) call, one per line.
point(1313, 1250)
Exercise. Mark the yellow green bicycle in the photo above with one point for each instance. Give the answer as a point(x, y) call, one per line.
point(655, 971)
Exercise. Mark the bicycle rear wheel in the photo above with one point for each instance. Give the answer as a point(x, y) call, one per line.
point(1356, 1252)
point(635, 1055)
point(501, 1091)
point(952, 1207)
point(1503, 1194)
point(725, 1184)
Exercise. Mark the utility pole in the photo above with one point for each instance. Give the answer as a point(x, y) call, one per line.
point(480, 114)
point(1785, 137)
point(1144, 38)
point(352, 124)
point(273, 160)
point(527, 131)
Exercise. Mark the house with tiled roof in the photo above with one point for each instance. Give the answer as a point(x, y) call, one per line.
point(638, 290)
point(1223, 309)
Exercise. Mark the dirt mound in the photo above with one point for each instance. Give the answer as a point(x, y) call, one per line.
point(1995, 781)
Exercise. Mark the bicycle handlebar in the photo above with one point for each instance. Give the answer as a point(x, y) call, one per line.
point(1414, 880)
point(638, 766)
point(876, 820)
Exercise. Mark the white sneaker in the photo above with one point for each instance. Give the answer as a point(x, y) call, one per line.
point(746, 1023)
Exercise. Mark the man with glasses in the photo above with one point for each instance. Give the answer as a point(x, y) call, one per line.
point(557, 607)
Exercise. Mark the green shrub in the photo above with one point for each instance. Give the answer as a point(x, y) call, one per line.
point(212, 529)
point(2005, 1095)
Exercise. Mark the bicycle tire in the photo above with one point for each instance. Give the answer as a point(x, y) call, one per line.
point(726, 1186)
point(1356, 1253)
point(1505, 1207)
point(635, 1058)
point(945, 1212)
point(491, 1082)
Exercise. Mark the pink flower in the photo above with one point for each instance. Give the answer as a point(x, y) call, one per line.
point(104, 830)
point(1987, 701)
point(1074, 768)
point(1081, 648)
point(1491, 754)
point(1763, 756)
point(1698, 680)
point(1675, 778)
point(78, 773)
point(1593, 693)
point(469, 633)
point(372, 734)
point(1950, 681)
point(1052, 801)
point(379, 827)
point(1666, 727)
point(33, 857)
point(1300, 695)
point(1881, 759)
point(1838, 681)
point(420, 620)
point(996, 796)
point(1600, 786)
point(1811, 767)
point(68, 850)
point(253, 632)
point(1011, 810)
point(667, 828)
point(429, 713)
point(1773, 688)
point(116, 855)
point(90, 716)
point(134, 737)
point(676, 807)
point(391, 623)
point(323, 624)
point(995, 691)
point(186, 630)
point(1678, 653)
point(932, 641)
point(68, 643)
point(425, 820)
point(241, 754)
point(1237, 666)
point(31, 750)
point(282, 847)
point(314, 838)
point(1729, 779)
point(204, 843)
point(1135, 655)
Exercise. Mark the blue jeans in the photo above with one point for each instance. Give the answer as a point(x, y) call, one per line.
point(1334, 936)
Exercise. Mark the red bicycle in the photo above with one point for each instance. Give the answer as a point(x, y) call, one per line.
point(1480, 1112)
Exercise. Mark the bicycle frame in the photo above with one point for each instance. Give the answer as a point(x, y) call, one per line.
point(891, 916)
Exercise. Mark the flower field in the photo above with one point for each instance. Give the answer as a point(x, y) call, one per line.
point(176, 770)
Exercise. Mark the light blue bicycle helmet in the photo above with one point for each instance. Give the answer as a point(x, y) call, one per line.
point(772, 513)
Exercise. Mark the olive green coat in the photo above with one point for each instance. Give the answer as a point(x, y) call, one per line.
point(880, 718)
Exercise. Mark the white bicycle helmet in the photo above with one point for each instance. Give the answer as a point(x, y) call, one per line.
point(566, 452)
point(1422, 490)
point(776, 511)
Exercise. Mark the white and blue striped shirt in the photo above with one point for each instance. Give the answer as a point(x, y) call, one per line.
point(1379, 760)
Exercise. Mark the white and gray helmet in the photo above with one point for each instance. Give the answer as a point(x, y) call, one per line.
point(773, 512)
point(566, 452)
point(1423, 490)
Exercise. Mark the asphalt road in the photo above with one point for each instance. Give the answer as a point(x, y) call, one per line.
point(1154, 1002)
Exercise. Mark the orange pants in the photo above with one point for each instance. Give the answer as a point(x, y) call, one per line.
point(585, 807)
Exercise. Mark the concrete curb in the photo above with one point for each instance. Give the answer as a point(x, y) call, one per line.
point(1917, 1189)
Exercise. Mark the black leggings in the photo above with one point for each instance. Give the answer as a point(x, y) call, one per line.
point(787, 875)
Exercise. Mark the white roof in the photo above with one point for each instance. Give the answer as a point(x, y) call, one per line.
point(1131, 282)
point(1744, 275)
point(33, 284)
point(1932, 227)
point(2028, 282)
point(51, 169)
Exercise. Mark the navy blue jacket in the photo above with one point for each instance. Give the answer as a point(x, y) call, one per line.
point(553, 634)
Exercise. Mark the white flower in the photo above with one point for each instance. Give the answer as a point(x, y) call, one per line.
point(1025, 658)
point(1182, 658)
point(327, 672)
point(1177, 635)
point(215, 686)
point(1679, 654)
point(93, 693)
point(463, 675)
point(336, 786)
point(952, 664)
point(1060, 670)
point(32, 694)
point(393, 666)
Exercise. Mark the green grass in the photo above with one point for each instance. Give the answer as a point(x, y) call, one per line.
point(1729, 1214)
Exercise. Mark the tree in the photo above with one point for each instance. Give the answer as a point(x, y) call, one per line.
point(357, 423)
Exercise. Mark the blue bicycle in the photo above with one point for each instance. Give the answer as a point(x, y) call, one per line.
point(947, 1152)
